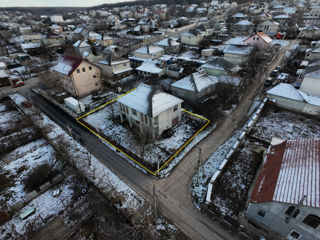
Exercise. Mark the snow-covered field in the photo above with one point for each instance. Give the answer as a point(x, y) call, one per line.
point(107, 121)
point(275, 122)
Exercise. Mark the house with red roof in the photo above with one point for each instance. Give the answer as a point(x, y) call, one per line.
point(79, 77)
point(260, 39)
point(285, 198)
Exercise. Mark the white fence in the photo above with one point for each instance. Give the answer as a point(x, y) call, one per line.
point(253, 119)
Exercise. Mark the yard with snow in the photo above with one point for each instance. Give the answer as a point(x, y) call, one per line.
point(107, 122)
point(279, 123)
point(230, 191)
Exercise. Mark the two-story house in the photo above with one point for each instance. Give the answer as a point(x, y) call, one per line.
point(145, 52)
point(260, 40)
point(150, 110)
point(243, 27)
point(115, 67)
point(79, 77)
point(169, 45)
point(268, 26)
point(286, 195)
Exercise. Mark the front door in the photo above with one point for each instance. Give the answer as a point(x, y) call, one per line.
point(175, 121)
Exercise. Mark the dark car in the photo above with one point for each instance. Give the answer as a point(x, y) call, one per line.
point(268, 82)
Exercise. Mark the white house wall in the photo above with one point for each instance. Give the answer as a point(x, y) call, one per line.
point(165, 118)
point(311, 86)
point(275, 217)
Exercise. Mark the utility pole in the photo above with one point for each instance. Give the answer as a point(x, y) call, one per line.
point(200, 167)
point(155, 203)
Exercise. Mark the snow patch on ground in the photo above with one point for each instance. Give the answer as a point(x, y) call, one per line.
point(20, 163)
point(284, 124)
point(107, 121)
point(96, 172)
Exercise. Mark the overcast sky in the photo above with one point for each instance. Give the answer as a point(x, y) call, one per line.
point(55, 3)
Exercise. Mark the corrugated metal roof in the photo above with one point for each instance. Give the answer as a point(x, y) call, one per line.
point(291, 171)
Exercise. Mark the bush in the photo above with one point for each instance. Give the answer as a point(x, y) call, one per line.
point(38, 176)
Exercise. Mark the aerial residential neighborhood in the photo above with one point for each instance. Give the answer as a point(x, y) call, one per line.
point(160, 119)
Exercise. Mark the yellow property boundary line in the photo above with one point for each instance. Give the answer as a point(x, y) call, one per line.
point(169, 160)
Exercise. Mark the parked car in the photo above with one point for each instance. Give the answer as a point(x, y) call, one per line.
point(268, 82)
point(274, 73)
point(17, 83)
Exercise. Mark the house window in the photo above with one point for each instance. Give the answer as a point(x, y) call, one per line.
point(134, 112)
point(124, 64)
point(90, 68)
point(156, 120)
point(94, 76)
point(296, 213)
point(289, 210)
point(78, 70)
point(146, 119)
point(294, 235)
point(261, 213)
point(97, 84)
point(83, 69)
point(175, 108)
point(312, 221)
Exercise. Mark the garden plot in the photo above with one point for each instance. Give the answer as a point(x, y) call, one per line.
point(18, 164)
point(107, 121)
point(15, 129)
point(275, 122)
point(48, 205)
point(230, 191)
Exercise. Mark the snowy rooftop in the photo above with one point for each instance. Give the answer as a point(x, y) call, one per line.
point(314, 74)
point(149, 67)
point(281, 16)
point(3, 74)
point(2, 65)
point(238, 49)
point(149, 49)
point(218, 63)
point(67, 65)
point(264, 37)
point(165, 42)
point(313, 100)
point(149, 101)
point(78, 30)
point(239, 15)
point(235, 40)
point(30, 45)
point(244, 23)
point(195, 82)
point(287, 91)
point(291, 165)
